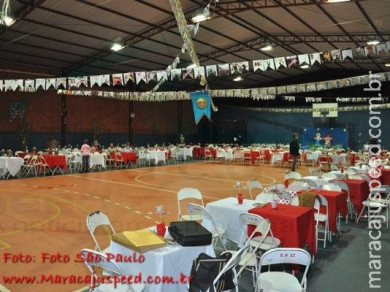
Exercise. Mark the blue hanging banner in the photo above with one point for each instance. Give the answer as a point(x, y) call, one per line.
point(201, 104)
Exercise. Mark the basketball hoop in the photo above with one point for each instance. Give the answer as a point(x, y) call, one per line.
point(324, 114)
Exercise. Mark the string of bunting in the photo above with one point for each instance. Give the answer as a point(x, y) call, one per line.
point(77, 85)
point(309, 110)
point(265, 93)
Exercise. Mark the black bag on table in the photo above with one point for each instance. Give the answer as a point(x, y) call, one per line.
point(204, 271)
point(189, 233)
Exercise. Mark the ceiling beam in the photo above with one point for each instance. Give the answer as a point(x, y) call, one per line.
point(293, 40)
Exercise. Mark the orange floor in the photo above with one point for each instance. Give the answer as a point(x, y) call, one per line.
point(42, 219)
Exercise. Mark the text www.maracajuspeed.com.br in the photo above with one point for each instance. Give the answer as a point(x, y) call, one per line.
point(78, 279)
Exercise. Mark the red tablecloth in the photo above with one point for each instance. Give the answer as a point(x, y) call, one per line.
point(358, 192)
point(337, 203)
point(293, 225)
point(129, 157)
point(385, 178)
point(198, 152)
point(55, 161)
point(254, 155)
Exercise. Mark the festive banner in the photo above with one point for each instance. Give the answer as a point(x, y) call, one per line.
point(201, 104)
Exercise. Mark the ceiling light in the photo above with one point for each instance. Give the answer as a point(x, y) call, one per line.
point(238, 78)
point(117, 47)
point(202, 16)
point(373, 42)
point(266, 48)
point(387, 64)
point(7, 20)
point(337, 1)
point(305, 66)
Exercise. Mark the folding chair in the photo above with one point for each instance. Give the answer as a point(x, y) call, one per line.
point(99, 219)
point(283, 280)
point(218, 232)
point(94, 259)
point(253, 185)
point(189, 195)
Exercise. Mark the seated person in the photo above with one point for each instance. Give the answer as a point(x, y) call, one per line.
point(111, 148)
point(128, 148)
point(96, 147)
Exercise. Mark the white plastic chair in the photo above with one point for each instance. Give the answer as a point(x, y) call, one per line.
point(292, 176)
point(253, 185)
point(249, 219)
point(249, 259)
point(322, 218)
point(191, 195)
point(282, 280)
point(329, 176)
point(95, 220)
point(218, 232)
point(375, 204)
point(231, 265)
point(94, 259)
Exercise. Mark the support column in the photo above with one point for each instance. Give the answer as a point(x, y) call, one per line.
point(64, 115)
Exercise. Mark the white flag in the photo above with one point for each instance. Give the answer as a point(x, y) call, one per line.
point(50, 82)
point(40, 82)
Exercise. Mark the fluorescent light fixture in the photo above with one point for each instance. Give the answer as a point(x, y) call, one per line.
point(387, 64)
point(266, 48)
point(201, 16)
point(305, 66)
point(8, 20)
point(238, 78)
point(373, 42)
point(337, 1)
point(117, 47)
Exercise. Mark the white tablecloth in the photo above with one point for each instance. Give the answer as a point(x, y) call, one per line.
point(340, 159)
point(171, 261)
point(97, 160)
point(11, 165)
point(157, 155)
point(226, 213)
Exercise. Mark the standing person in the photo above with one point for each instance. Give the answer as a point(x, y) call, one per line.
point(85, 153)
point(294, 150)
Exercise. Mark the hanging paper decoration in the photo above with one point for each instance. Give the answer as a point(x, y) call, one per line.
point(61, 82)
point(280, 63)
point(211, 70)
point(257, 65)
point(315, 58)
point(268, 64)
point(94, 80)
point(304, 59)
point(162, 75)
point(40, 82)
point(50, 82)
point(188, 73)
point(369, 50)
point(223, 69)
point(239, 68)
point(129, 77)
point(381, 49)
point(151, 77)
point(83, 80)
point(346, 54)
point(325, 57)
point(335, 55)
point(292, 61)
point(117, 79)
point(140, 76)
point(199, 71)
point(176, 74)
